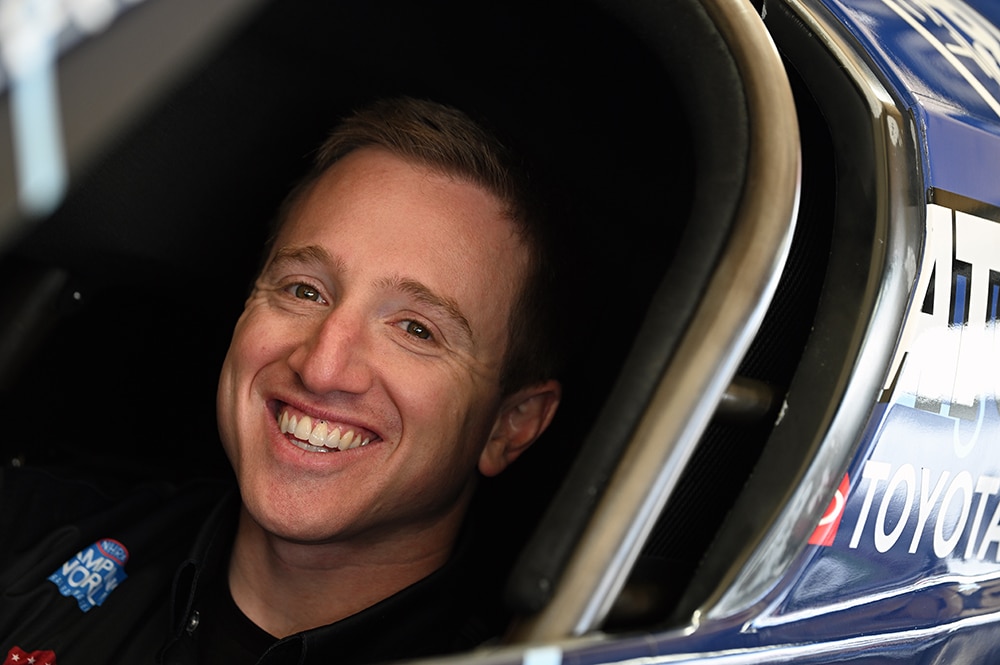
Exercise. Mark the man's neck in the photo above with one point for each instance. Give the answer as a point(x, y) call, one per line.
point(286, 587)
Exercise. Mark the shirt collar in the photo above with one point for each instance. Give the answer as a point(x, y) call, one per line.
point(209, 555)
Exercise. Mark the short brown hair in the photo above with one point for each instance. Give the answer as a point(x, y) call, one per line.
point(448, 141)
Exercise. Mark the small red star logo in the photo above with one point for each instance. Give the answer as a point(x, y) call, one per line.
point(18, 656)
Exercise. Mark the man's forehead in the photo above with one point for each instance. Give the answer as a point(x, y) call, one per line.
point(418, 222)
point(304, 254)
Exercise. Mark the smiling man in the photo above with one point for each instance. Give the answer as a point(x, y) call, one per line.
point(397, 345)
point(363, 386)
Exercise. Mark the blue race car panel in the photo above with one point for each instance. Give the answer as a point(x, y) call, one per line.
point(943, 59)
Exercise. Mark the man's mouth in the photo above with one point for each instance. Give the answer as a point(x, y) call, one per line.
point(319, 436)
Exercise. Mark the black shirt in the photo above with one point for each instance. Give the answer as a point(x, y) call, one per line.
point(226, 635)
point(95, 577)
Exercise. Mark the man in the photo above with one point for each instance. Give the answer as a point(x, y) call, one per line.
point(393, 348)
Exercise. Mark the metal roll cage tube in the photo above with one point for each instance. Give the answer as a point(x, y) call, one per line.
point(724, 325)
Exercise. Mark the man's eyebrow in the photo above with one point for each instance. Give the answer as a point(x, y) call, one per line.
point(313, 254)
point(425, 295)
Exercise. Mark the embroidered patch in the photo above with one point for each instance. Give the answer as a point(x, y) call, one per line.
point(18, 656)
point(93, 573)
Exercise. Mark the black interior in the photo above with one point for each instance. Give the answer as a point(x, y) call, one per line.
point(124, 299)
point(696, 58)
point(117, 310)
point(160, 238)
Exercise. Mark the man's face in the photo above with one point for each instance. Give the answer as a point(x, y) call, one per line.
point(363, 376)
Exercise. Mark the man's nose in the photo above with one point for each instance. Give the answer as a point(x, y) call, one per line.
point(334, 354)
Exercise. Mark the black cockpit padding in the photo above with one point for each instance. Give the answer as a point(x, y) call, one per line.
point(696, 60)
point(157, 241)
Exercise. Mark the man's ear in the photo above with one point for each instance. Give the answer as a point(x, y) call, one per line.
point(523, 417)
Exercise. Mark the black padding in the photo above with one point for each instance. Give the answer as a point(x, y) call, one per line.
point(696, 61)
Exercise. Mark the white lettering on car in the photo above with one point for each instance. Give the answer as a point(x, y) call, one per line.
point(964, 38)
point(948, 358)
point(938, 508)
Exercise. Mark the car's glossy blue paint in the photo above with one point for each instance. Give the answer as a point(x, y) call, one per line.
point(909, 561)
point(942, 57)
point(916, 551)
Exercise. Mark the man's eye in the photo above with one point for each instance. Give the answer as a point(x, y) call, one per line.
point(416, 329)
point(306, 292)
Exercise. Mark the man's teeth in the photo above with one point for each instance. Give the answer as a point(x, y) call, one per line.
point(317, 433)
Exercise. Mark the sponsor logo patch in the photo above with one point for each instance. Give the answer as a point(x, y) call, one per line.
point(93, 573)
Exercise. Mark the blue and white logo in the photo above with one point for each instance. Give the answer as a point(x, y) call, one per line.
point(93, 573)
